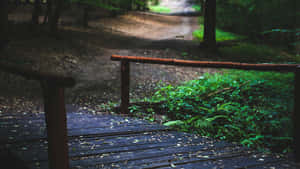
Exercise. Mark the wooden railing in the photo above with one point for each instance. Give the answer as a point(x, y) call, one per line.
point(55, 114)
point(125, 78)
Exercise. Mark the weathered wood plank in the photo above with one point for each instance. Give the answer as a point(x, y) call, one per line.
point(38, 151)
point(145, 154)
point(230, 162)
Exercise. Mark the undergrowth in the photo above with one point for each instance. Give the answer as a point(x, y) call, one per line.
point(249, 107)
point(250, 52)
point(220, 35)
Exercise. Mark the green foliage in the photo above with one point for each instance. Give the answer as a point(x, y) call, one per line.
point(251, 17)
point(220, 35)
point(249, 107)
point(197, 7)
point(159, 9)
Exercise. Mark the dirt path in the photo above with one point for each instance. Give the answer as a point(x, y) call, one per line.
point(85, 55)
point(154, 36)
point(179, 6)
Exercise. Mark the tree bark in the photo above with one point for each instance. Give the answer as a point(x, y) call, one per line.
point(48, 11)
point(202, 5)
point(3, 23)
point(36, 12)
point(210, 24)
point(85, 16)
point(56, 7)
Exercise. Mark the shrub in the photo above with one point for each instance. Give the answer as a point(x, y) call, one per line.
point(249, 107)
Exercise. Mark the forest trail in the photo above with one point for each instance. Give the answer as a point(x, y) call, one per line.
point(84, 53)
point(179, 6)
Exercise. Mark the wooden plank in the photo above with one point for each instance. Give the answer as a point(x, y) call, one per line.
point(27, 136)
point(278, 165)
point(56, 126)
point(74, 121)
point(33, 128)
point(209, 64)
point(148, 154)
point(125, 86)
point(229, 161)
point(135, 157)
point(176, 157)
point(9, 160)
point(38, 151)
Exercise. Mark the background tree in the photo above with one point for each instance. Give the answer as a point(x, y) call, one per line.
point(36, 12)
point(202, 5)
point(210, 24)
point(54, 14)
point(3, 22)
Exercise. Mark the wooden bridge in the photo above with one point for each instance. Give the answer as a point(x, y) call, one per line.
point(107, 141)
point(84, 140)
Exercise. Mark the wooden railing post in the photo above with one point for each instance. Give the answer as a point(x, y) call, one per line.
point(55, 114)
point(296, 118)
point(125, 69)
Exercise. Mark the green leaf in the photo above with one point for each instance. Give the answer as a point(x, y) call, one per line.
point(174, 123)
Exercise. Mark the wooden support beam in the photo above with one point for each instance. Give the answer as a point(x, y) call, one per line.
point(296, 118)
point(125, 69)
point(56, 125)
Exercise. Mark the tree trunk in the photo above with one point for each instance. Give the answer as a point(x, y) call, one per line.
point(56, 7)
point(48, 11)
point(210, 23)
point(3, 23)
point(85, 16)
point(202, 5)
point(36, 12)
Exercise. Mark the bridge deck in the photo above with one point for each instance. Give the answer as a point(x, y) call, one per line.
point(109, 141)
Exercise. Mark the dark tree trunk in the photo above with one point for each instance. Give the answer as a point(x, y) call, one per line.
point(3, 23)
point(85, 16)
point(56, 7)
point(48, 11)
point(210, 23)
point(36, 12)
point(202, 5)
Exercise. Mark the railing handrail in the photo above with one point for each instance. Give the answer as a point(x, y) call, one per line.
point(59, 80)
point(209, 64)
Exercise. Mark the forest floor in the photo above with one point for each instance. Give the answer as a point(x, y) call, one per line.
point(84, 53)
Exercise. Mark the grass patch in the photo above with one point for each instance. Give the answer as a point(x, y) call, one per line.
point(220, 35)
point(159, 9)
